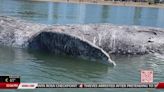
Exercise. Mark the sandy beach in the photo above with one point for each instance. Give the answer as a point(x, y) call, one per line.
point(115, 3)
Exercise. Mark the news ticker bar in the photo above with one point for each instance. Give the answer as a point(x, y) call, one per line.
point(13, 82)
point(16, 85)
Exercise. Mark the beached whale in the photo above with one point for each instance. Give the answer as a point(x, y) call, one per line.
point(22, 34)
point(92, 41)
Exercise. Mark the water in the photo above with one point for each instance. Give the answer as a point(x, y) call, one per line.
point(62, 13)
point(44, 67)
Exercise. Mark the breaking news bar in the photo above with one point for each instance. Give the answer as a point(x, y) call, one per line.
point(74, 85)
point(13, 82)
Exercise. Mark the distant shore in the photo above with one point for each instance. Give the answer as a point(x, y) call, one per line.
point(115, 3)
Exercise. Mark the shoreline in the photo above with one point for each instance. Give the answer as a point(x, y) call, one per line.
point(116, 3)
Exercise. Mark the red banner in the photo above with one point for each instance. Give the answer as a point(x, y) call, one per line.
point(160, 85)
point(13, 85)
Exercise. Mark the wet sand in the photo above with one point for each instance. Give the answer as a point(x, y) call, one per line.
point(115, 3)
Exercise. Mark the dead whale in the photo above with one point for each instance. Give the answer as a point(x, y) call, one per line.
point(93, 41)
point(21, 34)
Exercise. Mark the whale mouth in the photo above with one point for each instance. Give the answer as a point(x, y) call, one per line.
point(64, 44)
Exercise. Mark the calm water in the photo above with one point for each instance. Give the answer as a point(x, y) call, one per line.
point(43, 67)
point(61, 13)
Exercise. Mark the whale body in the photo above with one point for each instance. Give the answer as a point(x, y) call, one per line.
point(92, 41)
point(21, 34)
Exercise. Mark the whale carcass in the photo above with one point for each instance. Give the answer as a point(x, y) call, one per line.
point(21, 34)
point(92, 41)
